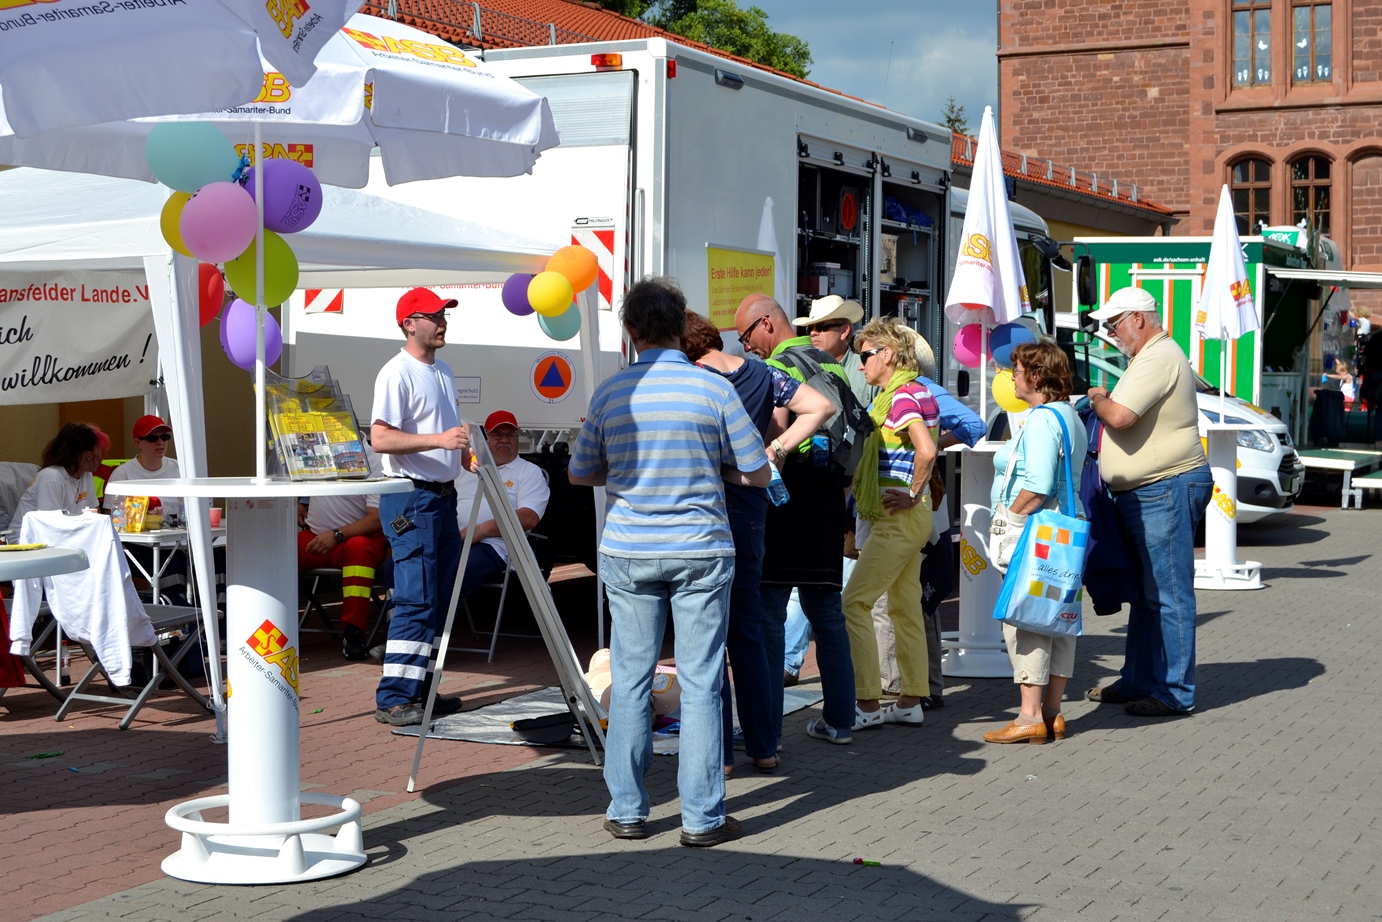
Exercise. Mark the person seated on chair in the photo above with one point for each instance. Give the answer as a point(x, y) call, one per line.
point(528, 494)
point(65, 481)
point(344, 532)
point(151, 437)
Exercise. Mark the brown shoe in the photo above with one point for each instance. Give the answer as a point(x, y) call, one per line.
point(1055, 727)
point(1107, 695)
point(1015, 733)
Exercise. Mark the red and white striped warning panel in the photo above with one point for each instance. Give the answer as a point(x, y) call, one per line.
point(597, 235)
point(323, 300)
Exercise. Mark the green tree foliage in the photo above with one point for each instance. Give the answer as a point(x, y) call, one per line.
point(723, 24)
point(953, 117)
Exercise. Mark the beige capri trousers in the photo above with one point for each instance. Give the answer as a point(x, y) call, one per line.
point(1037, 657)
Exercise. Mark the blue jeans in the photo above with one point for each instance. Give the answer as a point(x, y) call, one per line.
point(1161, 519)
point(753, 673)
point(827, 619)
point(425, 560)
point(798, 629)
point(641, 592)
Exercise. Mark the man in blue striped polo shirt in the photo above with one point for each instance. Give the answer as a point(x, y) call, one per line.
point(662, 436)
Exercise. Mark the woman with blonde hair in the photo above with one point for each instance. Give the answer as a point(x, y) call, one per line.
point(893, 502)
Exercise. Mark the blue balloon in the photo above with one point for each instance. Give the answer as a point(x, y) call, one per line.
point(187, 155)
point(563, 326)
point(1006, 337)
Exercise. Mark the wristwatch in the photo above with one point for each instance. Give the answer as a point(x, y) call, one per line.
point(915, 492)
point(339, 535)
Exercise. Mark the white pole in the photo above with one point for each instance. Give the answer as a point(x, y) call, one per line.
point(260, 417)
point(588, 303)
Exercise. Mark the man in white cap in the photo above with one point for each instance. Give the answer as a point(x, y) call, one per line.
point(1152, 460)
point(831, 328)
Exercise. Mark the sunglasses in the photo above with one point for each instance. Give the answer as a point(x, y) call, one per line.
point(439, 318)
point(162, 437)
point(865, 356)
point(744, 337)
point(1113, 325)
point(825, 327)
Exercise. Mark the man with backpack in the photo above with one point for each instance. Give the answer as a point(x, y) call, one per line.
point(804, 541)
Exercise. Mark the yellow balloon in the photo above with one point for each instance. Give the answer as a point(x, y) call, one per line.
point(550, 293)
point(577, 263)
point(169, 221)
point(1005, 394)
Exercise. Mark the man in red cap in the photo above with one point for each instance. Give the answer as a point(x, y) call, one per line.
point(417, 431)
point(151, 438)
point(528, 494)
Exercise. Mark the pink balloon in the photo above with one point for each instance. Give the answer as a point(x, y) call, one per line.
point(237, 335)
point(968, 345)
point(218, 222)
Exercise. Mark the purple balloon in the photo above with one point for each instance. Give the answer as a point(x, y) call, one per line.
point(292, 195)
point(516, 294)
point(237, 335)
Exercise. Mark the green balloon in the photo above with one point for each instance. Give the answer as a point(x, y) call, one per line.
point(280, 272)
point(563, 326)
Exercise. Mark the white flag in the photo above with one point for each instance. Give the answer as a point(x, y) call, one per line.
point(1226, 302)
point(988, 286)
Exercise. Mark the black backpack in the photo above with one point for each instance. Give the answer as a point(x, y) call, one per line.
point(848, 429)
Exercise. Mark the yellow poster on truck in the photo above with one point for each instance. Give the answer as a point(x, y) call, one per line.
point(732, 275)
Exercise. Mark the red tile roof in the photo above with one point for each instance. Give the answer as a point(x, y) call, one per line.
point(1068, 179)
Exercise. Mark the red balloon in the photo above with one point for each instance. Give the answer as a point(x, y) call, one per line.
point(211, 291)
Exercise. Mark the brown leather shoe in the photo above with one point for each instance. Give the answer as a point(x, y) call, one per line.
point(1015, 733)
point(1055, 727)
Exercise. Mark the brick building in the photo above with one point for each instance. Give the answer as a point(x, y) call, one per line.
point(1281, 99)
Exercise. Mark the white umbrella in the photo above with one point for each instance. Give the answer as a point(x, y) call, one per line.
point(73, 62)
point(988, 286)
point(431, 110)
point(1225, 309)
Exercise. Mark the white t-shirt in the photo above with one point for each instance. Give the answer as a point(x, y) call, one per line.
point(54, 488)
point(527, 489)
point(133, 470)
point(415, 397)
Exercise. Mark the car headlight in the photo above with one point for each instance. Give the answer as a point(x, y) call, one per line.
point(1256, 439)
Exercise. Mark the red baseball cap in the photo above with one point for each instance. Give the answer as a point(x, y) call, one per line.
point(421, 301)
point(500, 418)
point(146, 424)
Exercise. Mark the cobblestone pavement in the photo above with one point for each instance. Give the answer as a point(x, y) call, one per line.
point(1264, 805)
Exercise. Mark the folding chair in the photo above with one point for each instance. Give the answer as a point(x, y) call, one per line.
point(544, 557)
point(314, 604)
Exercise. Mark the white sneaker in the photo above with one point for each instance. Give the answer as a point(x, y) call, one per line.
point(867, 720)
point(912, 716)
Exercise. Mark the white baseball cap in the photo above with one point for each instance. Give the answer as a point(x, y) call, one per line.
point(1124, 300)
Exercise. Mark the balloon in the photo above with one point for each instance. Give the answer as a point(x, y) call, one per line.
point(280, 271)
point(211, 292)
point(237, 335)
point(967, 345)
point(550, 293)
point(292, 195)
point(218, 222)
point(515, 294)
point(189, 155)
point(1005, 338)
point(1005, 394)
point(170, 219)
point(578, 264)
point(563, 326)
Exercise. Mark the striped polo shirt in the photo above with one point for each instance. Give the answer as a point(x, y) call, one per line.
point(663, 428)
point(896, 458)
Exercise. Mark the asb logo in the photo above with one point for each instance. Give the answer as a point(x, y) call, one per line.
point(269, 642)
point(302, 153)
point(970, 558)
point(286, 13)
point(442, 54)
point(552, 377)
point(276, 89)
point(979, 248)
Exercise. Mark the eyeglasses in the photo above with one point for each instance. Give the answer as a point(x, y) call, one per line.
point(1113, 325)
point(439, 318)
point(161, 437)
point(744, 337)
point(826, 327)
point(510, 435)
point(865, 356)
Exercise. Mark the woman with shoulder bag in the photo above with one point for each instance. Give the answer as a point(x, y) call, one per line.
point(1035, 477)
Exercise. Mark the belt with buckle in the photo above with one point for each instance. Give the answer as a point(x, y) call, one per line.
point(439, 487)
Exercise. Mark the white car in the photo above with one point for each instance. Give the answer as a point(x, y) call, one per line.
point(1270, 473)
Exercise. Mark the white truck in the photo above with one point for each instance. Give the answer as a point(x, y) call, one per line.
point(675, 162)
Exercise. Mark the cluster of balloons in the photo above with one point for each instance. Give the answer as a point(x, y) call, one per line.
point(551, 294)
point(212, 216)
point(1002, 340)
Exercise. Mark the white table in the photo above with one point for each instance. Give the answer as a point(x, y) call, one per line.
point(1220, 568)
point(45, 561)
point(265, 840)
point(160, 539)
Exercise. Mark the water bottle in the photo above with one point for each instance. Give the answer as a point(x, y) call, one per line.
point(820, 451)
point(777, 490)
point(117, 514)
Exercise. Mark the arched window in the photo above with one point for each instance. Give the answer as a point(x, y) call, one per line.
point(1250, 183)
point(1310, 191)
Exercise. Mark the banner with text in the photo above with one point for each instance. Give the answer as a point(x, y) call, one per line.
point(75, 336)
point(734, 275)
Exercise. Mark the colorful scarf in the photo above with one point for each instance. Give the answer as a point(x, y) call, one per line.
point(867, 501)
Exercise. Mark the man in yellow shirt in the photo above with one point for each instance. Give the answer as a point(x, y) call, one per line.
point(1153, 462)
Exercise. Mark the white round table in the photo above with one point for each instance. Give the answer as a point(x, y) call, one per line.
point(45, 561)
point(266, 840)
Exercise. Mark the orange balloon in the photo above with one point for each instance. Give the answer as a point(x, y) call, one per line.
point(578, 264)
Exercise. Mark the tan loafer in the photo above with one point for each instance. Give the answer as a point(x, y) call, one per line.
point(1015, 733)
point(1055, 727)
